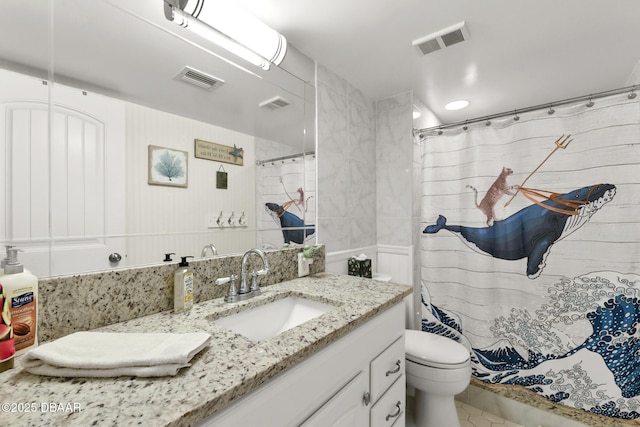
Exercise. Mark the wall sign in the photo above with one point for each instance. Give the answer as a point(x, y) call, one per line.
point(219, 153)
point(221, 178)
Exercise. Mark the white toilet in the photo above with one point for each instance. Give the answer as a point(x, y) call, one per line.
point(438, 368)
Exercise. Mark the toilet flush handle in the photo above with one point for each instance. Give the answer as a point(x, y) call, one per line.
point(395, 370)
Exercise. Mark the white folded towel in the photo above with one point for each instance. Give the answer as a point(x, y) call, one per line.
point(107, 354)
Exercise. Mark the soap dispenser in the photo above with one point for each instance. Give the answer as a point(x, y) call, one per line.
point(20, 289)
point(4, 261)
point(183, 286)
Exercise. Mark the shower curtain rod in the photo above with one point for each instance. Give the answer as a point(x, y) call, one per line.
point(292, 156)
point(589, 97)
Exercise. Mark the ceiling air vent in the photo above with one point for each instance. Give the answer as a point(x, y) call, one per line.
point(198, 78)
point(444, 38)
point(274, 103)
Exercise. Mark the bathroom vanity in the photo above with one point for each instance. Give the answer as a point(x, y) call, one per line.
point(345, 365)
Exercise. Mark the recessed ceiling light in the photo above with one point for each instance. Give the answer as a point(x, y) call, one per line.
point(416, 112)
point(456, 105)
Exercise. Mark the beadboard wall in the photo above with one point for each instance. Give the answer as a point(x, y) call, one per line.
point(163, 219)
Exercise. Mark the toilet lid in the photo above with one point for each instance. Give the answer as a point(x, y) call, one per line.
point(434, 350)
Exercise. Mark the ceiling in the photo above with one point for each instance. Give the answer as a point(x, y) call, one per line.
point(519, 53)
point(129, 50)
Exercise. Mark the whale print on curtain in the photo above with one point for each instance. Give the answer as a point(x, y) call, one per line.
point(285, 193)
point(547, 295)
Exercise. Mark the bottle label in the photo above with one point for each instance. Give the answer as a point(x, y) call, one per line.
point(20, 300)
point(23, 319)
point(188, 289)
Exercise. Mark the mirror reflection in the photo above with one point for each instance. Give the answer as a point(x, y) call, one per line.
point(126, 138)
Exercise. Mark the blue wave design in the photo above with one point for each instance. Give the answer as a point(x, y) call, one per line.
point(614, 327)
point(615, 338)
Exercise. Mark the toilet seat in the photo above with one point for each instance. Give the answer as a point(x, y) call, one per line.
point(435, 351)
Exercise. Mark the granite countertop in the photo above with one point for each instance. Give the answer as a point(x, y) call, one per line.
point(230, 367)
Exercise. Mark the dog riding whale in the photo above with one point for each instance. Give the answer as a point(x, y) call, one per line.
point(530, 232)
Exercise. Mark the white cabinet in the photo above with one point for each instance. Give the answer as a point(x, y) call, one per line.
point(355, 381)
point(346, 408)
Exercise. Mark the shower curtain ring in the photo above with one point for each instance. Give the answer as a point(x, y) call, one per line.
point(632, 95)
point(516, 117)
point(590, 103)
point(551, 110)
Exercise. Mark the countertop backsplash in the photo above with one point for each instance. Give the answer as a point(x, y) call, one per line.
point(87, 301)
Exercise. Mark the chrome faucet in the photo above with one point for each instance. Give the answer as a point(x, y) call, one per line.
point(245, 291)
point(254, 289)
point(214, 251)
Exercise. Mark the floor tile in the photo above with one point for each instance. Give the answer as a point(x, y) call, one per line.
point(469, 416)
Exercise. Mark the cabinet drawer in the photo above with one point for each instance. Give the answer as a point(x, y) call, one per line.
point(391, 407)
point(386, 368)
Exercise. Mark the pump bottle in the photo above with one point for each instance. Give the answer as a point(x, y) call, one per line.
point(183, 286)
point(20, 289)
point(4, 261)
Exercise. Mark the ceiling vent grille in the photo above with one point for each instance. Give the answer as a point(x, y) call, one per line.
point(274, 103)
point(444, 38)
point(198, 78)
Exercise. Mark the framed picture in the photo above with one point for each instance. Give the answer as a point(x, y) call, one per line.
point(167, 166)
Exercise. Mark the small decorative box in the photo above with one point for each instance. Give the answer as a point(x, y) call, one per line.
point(359, 267)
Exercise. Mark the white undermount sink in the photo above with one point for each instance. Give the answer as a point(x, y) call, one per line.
point(270, 319)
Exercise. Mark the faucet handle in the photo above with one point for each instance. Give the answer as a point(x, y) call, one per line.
point(233, 290)
point(255, 288)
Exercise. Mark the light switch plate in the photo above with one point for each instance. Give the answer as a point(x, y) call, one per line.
point(303, 266)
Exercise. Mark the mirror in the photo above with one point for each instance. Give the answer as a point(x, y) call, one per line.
point(99, 98)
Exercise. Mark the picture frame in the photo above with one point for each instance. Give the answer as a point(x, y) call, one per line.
point(168, 167)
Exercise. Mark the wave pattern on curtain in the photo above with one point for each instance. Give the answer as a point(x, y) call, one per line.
point(546, 296)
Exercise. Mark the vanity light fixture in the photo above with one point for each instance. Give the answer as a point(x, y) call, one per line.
point(456, 105)
point(231, 27)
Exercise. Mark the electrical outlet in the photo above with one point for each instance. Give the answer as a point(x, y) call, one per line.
point(303, 265)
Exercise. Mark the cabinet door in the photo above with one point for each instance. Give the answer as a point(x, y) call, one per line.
point(346, 408)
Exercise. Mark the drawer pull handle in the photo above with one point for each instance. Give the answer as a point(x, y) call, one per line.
point(396, 413)
point(394, 370)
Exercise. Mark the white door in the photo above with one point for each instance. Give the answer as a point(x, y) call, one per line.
point(63, 191)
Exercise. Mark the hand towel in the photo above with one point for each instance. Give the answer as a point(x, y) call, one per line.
point(108, 354)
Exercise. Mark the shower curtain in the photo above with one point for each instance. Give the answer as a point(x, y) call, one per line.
point(530, 250)
point(278, 182)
